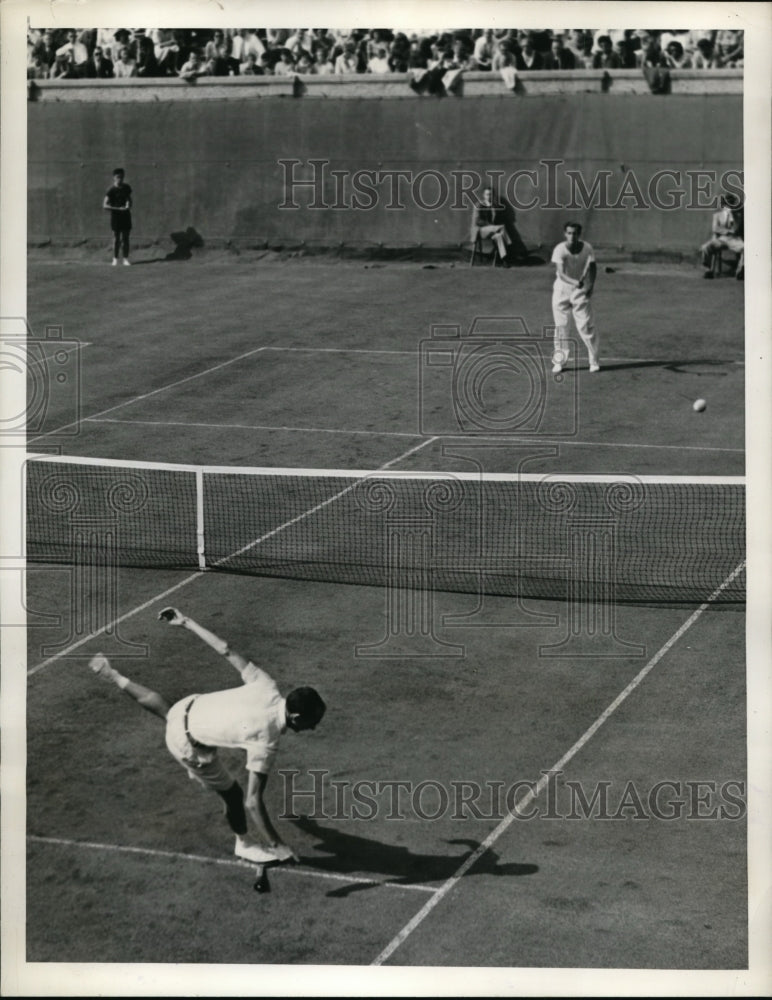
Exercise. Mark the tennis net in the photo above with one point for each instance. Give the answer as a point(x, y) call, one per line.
point(645, 539)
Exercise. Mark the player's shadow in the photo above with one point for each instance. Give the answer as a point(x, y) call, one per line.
point(346, 852)
point(686, 367)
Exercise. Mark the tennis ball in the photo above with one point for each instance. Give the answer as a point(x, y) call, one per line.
point(699, 405)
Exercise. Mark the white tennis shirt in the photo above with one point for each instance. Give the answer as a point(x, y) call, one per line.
point(251, 717)
point(573, 263)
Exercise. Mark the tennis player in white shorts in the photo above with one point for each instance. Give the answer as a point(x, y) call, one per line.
point(575, 273)
point(251, 718)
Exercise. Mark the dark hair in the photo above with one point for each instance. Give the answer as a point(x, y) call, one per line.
point(573, 225)
point(119, 170)
point(307, 703)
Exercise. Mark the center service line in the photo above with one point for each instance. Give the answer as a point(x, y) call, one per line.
point(526, 800)
point(197, 575)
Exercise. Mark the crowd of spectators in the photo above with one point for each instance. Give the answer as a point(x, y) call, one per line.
point(128, 52)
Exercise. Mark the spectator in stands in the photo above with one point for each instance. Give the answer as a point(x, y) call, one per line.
point(274, 38)
point(244, 42)
point(399, 53)
point(305, 64)
point(581, 45)
point(105, 40)
point(218, 57)
point(420, 51)
point(37, 68)
point(88, 37)
point(193, 67)
point(559, 57)
point(462, 54)
point(120, 37)
point(143, 53)
point(300, 39)
point(322, 63)
point(265, 61)
point(286, 64)
point(624, 49)
point(167, 51)
point(250, 67)
point(527, 57)
point(48, 49)
point(99, 66)
point(488, 223)
point(606, 58)
point(675, 57)
point(729, 49)
point(725, 234)
point(484, 50)
point(379, 63)
point(649, 54)
point(347, 62)
point(73, 55)
point(704, 57)
point(125, 66)
point(504, 56)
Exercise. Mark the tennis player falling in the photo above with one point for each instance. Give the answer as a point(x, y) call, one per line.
point(251, 718)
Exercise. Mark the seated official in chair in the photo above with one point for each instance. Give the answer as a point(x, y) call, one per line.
point(489, 224)
point(727, 230)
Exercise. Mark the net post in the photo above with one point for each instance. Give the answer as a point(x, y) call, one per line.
point(200, 538)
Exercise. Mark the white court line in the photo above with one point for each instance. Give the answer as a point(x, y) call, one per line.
point(250, 427)
point(198, 575)
point(147, 395)
point(334, 430)
point(228, 862)
point(532, 793)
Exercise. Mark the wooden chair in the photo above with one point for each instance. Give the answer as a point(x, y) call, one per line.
point(720, 262)
point(479, 248)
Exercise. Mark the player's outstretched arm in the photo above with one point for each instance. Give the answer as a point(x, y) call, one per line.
point(175, 617)
point(262, 821)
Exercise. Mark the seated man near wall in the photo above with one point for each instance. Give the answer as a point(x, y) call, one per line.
point(488, 224)
point(726, 234)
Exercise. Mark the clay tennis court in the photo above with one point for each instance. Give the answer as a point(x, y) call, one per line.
point(231, 360)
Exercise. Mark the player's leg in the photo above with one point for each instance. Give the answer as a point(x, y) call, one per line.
point(147, 698)
point(125, 245)
point(203, 765)
point(116, 246)
point(585, 325)
point(561, 311)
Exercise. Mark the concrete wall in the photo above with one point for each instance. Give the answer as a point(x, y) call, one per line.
point(216, 164)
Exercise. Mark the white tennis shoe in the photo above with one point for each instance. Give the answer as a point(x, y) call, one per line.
point(594, 368)
point(253, 852)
